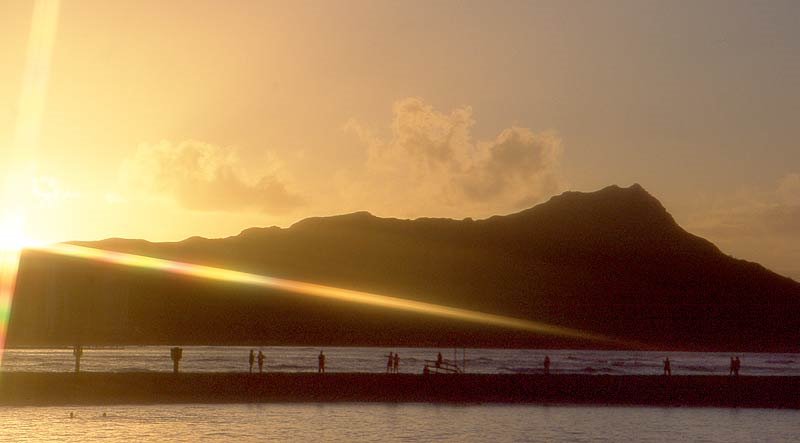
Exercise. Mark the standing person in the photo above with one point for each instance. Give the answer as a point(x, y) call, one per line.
point(321, 362)
point(260, 361)
point(77, 351)
point(546, 365)
point(439, 360)
point(176, 353)
point(389, 363)
point(733, 366)
point(251, 359)
point(396, 362)
point(737, 364)
point(667, 367)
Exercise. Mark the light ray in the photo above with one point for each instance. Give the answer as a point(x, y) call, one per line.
point(321, 291)
point(19, 159)
point(9, 261)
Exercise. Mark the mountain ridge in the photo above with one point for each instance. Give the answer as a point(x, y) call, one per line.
point(635, 191)
point(613, 261)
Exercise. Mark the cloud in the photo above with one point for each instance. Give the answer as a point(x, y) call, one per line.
point(49, 192)
point(429, 164)
point(761, 225)
point(203, 177)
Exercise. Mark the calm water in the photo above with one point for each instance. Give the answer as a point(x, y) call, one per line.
point(300, 359)
point(395, 422)
point(401, 422)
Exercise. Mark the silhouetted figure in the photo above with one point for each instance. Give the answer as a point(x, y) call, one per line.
point(439, 360)
point(736, 366)
point(389, 363)
point(733, 366)
point(260, 361)
point(321, 361)
point(71, 415)
point(546, 364)
point(252, 359)
point(77, 351)
point(176, 353)
point(667, 367)
point(396, 362)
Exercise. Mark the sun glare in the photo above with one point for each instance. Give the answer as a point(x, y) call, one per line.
point(325, 292)
point(12, 234)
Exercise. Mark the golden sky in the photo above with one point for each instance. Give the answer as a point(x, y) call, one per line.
point(163, 120)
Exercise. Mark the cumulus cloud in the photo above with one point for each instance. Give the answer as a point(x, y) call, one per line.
point(203, 177)
point(430, 164)
point(49, 192)
point(761, 225)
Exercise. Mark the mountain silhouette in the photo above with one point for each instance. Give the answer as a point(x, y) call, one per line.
point(612, 262)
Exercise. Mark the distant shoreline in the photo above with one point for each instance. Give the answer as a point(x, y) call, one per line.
point(102, 388)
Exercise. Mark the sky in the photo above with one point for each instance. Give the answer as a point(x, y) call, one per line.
point(165, 120)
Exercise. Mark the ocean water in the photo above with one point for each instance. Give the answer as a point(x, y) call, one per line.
point(412, 360)
point(348, 422)
point(395, 422)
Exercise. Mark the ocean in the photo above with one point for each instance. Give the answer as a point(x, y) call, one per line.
point(412, 360)
point(346, 422)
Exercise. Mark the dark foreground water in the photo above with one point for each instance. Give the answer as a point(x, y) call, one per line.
point(412, 360)
point(395, 422)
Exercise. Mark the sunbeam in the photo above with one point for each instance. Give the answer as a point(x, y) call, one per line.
point(327, 292)
point(20, 158)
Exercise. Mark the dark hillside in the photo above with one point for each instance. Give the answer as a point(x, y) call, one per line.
point(612, 262)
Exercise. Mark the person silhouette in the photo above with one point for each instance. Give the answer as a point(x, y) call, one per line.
point(667, 367)
point(736, 366)
point(439, 360)
point(733, 366)
point(260, 361)
point(176, 353)
point(546, 364)
point(252, 359)
point(77, 351)
point(321, 362)
point(396, 362)
point(389, 363)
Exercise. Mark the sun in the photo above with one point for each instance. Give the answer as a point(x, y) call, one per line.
point(12, 233)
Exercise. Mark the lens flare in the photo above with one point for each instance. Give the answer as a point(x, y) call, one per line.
point(321, 291)
point(19, 159)
point(34, 80)
point(9, 261)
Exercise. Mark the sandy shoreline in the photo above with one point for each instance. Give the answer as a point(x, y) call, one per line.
point(96, 388)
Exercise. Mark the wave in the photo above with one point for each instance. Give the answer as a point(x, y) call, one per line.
point(519, 370)
point(698, 368)
point(283, 366)
point(138, 369)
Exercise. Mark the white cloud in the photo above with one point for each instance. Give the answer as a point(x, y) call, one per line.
point(203, 177)
point(429, 164)
point(48, 192)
